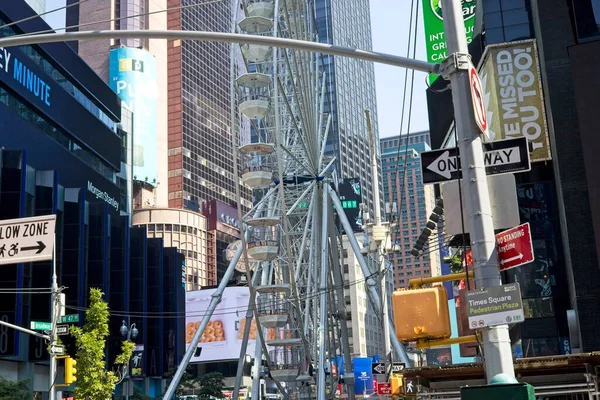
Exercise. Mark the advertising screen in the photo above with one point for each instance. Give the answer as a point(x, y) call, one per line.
point(222, 338)
point(133, 78)
point(349, 191)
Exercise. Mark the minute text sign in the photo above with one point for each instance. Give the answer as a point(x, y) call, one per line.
point(27, 239)
point(500, 157)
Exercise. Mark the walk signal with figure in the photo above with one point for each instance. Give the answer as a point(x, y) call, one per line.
point(70, 370)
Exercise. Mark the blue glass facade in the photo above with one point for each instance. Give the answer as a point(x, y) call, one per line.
point(65, 150)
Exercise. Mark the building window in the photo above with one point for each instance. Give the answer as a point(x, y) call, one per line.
point(587, 18)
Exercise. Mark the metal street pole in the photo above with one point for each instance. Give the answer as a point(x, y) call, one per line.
point(54, 320)
point(496, 340)
point(378, 230)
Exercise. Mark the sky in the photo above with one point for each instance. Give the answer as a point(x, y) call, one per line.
point(390, 26)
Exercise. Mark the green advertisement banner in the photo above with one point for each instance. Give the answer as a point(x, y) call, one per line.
point(435, 40)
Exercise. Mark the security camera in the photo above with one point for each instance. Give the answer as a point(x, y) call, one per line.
point(396, 248)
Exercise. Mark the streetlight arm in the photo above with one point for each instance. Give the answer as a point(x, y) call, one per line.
point(324, 48)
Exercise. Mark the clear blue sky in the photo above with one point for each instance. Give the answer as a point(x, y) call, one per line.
point(390, 24)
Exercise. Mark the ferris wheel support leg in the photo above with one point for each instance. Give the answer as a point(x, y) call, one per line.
point(214, 301)
point(397, 346)
point(323, 297)
point(338, 280)
point(240, 369)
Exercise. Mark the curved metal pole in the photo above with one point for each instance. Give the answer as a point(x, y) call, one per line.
point(284, 43)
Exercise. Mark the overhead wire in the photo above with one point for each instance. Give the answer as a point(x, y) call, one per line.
point(145, 14)
point(42, 14)
point(228, 310)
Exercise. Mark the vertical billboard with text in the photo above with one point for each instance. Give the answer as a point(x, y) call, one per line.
point(222, 338)
point(512, 89)
point(349, 192)
point(133, 78)
point(435, 38)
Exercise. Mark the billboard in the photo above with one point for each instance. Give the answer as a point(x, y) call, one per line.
point(512, 88)
point(349, 192)
point(222, 338)
point(435, 39)
point(133, 78)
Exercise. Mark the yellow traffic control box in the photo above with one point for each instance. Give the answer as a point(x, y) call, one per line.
point(421, 314)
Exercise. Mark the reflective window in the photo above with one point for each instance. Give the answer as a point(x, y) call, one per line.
point(587, 18)
point(57, 134)
point(59, 78)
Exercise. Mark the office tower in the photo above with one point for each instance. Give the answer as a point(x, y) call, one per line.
point(66, 160)
point(411, 203)
point(350, 88)
point(365, 330)
point(199, 132)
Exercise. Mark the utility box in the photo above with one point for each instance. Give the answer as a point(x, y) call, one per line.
point(421, 314)
point(511, 391)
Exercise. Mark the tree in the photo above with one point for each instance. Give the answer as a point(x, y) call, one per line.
point(186, 382)
point(211, 385)
point(94, 381)
point(10, 390)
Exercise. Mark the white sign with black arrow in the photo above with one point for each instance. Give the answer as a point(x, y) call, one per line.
point(500, 157)
point(27, 239)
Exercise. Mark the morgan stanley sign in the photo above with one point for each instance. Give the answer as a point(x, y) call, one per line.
point(133, 78)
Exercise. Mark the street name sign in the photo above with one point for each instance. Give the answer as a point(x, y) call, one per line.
point(493, 306)
point(500, 157)
point(27, 239)
point(62, 330)
point(378, 368)
point(384, 388)
point(69, 318)
point(514, 247)
point(41, 326)
point(57, 350)
point(479, 110)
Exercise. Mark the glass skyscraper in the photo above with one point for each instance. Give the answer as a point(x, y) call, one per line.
point(350, 88)
point(200, 151)
point(411, 203)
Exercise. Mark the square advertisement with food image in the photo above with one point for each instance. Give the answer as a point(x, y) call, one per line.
point(222, 338)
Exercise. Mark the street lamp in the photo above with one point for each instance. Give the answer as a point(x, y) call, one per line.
point(128, 333)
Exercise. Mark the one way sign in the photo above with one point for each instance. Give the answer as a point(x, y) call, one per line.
point(500, 157)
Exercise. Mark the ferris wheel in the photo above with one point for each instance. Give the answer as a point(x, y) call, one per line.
point(291, 246)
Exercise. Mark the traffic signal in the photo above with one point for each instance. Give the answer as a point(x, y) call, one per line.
point(70, 370)
point(421, 314)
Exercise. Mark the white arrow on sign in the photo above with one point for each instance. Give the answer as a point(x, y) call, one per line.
point(446, 164)
point(520, 256)
point(379, 368)
point(27, 239)
point(57, 350)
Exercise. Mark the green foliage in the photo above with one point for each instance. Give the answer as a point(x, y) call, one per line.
point(186, 382)
point(138, 394)
point(94, 382)
point(10, 390)
point(211, 384)
point(456, 264)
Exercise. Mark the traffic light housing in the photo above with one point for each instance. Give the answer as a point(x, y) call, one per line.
point(70, 370)
point(421, 314)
